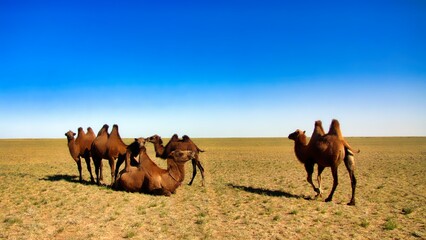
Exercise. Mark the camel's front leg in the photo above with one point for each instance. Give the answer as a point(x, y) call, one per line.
point(310, 170)
point(335, 183)
point(78, 161)
point(112, 166)
point(320, 169)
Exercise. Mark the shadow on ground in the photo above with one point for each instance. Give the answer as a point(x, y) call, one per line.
point(64, 177)
point(266, 192)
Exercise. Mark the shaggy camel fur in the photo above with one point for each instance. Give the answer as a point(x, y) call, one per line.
point(176, 144)
point(149, 178)
point(326, 151)
point(80, 147)
point(110, 147)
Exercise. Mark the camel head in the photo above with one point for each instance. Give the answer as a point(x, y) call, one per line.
point(140, 142)
point(70, 135)
point(155, 139)
point(181, 156)
point(297, 135)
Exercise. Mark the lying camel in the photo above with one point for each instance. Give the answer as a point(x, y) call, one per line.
point(326, 151)
point(176, 144)
point(110, 147)
point(80, 147)
point(151, 179)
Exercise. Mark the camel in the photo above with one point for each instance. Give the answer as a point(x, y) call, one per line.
point(327, 151)
point(110, 147)
point(151, 179)
point(80, 147)
point(176, 144)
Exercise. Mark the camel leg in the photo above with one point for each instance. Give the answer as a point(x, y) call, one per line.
point(98, 168)
point(112, 166)
point(101, 166)
point(200, 167)
point(310, 170)
point(89, 168)
point(320, 169)
point(194, 171)
point(120, 161)
point(78, 161)
point(350, 166)
point(335, 183)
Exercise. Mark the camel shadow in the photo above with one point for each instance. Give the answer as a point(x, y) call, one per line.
point(65, 177)
point(266, 192)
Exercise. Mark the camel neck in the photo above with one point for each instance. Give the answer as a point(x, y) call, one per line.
point(73, 147)
point(176, 171)
point(159, 149)
point(300, 148)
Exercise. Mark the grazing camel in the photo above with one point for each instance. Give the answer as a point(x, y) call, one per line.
point(80, 147)
point(110, 147)
point(176, 144)
point(151, 179)
point(326, 151)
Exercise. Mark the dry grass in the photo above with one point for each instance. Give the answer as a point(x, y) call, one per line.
point(255, 189)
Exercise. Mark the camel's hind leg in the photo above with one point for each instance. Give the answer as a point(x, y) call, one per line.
point(98, 169)
point(350, 165)
point(335, 183)
point(200, 167)
point(194, 171)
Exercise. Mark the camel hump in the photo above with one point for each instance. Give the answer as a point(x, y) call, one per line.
point(103, 130)
point(174, 138)
point(187, 139)
point(335, 129)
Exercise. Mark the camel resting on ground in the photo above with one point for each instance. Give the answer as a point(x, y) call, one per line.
point(151, 179)
point(327, 150)
point(179, 144)
point(80, 147)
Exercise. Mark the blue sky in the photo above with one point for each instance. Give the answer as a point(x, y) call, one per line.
point(212, 68)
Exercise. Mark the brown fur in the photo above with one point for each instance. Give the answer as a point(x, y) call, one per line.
point(335, 130)
point(326, 151)
point(149, 178)
point(80, 147)
point(110, 147)
point(176, 144)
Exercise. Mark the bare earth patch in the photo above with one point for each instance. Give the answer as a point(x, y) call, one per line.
point(255, 189)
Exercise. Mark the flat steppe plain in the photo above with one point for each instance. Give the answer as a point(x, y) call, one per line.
point(255, 189)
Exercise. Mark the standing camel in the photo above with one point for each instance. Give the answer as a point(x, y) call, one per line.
point(80, 147)
point(110, 147)
point(327, 150)
point(176, 144)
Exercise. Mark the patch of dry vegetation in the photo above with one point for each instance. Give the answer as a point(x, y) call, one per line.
point(255, 188)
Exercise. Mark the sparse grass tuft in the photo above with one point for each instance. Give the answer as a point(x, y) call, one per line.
point(364, 223)
point(407, 210)
point(390, 224)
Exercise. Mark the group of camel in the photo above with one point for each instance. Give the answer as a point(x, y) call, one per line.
point(140, 173)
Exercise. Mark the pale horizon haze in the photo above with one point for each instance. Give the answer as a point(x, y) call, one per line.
point(212, 68)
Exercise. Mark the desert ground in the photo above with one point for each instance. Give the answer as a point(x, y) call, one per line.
point(255, 189)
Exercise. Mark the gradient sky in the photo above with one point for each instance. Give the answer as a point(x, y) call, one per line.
point(212, 68)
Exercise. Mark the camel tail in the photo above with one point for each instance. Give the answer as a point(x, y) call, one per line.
point(347, 146)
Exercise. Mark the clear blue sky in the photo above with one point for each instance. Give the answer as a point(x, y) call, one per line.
point(212, 68)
